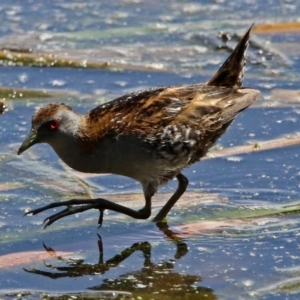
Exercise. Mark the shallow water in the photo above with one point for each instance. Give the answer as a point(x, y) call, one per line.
point(229, 236)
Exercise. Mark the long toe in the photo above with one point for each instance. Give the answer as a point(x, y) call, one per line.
point(100, 220)
point(31, 212)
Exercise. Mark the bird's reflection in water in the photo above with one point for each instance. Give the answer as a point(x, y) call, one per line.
point(153, 278)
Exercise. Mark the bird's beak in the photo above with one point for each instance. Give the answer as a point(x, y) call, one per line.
point(30, 140)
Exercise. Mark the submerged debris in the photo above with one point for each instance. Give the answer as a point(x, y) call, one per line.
point(3, 106)
point(258, 52)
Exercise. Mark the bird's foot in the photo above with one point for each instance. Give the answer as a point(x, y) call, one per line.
point(73, 207)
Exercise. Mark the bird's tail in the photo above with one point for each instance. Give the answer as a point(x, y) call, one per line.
point(232, 71)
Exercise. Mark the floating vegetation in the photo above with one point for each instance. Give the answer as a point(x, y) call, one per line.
point(18, 93)
point(24, 58)
point(273, 27)
point(257, 146)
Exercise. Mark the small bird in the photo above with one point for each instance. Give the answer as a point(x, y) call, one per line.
point(149, 135)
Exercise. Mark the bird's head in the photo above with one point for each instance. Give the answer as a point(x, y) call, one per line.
point(51, 124)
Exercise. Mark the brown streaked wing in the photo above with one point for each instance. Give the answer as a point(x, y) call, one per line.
point(146, 112)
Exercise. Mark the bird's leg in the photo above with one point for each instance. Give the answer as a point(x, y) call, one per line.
point(182, 185)
point(100, 247)
point(181, 246)
point(100, 204)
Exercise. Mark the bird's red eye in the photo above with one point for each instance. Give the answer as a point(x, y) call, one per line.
point(54, 124)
